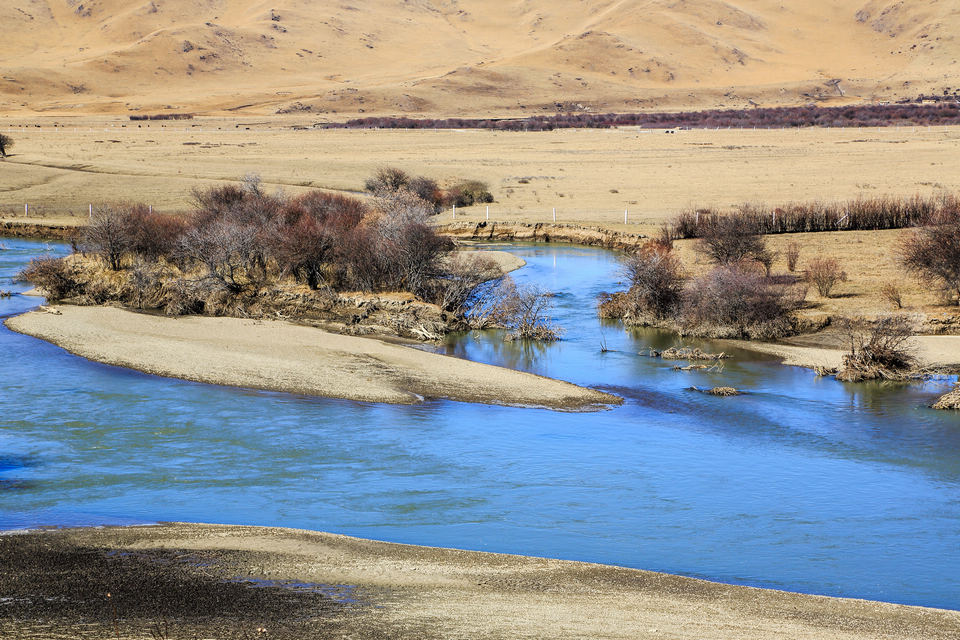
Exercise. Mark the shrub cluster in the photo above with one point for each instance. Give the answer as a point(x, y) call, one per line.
point(389, 181)
point(870, 115)
point(239, 241)
point(825, 274)
point(861, 214)
point(735, 299)
point(932, 253)
point(876, 349)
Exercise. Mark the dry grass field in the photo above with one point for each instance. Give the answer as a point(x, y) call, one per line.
point(590, 176)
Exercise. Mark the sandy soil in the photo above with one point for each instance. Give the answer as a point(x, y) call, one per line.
point(279, 356)
point(218, 581)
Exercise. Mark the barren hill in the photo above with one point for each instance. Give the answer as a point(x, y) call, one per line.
point(469, 57)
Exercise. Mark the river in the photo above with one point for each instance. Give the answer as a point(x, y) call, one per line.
point(803, 483)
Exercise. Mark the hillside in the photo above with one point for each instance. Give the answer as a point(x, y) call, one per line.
point(468, 57)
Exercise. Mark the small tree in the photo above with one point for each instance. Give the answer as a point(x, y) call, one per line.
point(932, 253)
point(656, 281)
point(730, 239)
point(387, 180)
point(108, 235)
point(5, 143)
point(792, 255)
point(824, 273)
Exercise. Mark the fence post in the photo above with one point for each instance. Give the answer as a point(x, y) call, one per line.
point(454, 212)
point(91, 211)
point(488, 212)
point(554, 214)
point(26, 210)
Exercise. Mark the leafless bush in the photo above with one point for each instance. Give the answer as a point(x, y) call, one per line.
point(656, 282)
point(728, 239)
point(146, 283)
point(876, 349)
point(56, 277)
point(108, 234)
point(152, 235)
point(824, 274)
point(932, 253)
point(729, 301)
point(183, 296)
point(230, 253)
point(792, 255)
point(303, 249)
point(463, 275)
point(523, 310)
point(891, 293)
point(387, 180)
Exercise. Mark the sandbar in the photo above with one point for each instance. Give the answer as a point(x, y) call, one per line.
point(280, 356)
point(822, 350)
point(196, 580)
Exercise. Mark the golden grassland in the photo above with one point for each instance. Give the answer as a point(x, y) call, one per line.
point(590, 176)
point(468, 57)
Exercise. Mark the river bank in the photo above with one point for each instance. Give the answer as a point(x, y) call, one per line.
point(280, 356)
point(216, 580)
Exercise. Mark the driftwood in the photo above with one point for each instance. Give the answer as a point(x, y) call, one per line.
point(722, 392)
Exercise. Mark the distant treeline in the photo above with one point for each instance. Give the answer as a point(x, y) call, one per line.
point(163, 116)
point(861, 214)
point(875, 115)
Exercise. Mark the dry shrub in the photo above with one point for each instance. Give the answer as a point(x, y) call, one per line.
point(387, 180)
point(932, 253)
point(876, 349)
point(824, 274)
point(463, 277)
point(468, 193)
point(728, 239)
point(58, 278)
point(231, 253)
point(792, 254)
point(891, 293)
point(523, 310)
point(107, 235)
point(656, 280)
point(184, 297)
point(731, 302)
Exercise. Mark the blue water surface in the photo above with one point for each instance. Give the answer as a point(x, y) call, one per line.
point(803, 483)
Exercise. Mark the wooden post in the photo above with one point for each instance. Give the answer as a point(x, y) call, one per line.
point(91, 211)
point(488, 212)
point(624, 216)
point(454, 212)
point(554, 214)
point(26, 210)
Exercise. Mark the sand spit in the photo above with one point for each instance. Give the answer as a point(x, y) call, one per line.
point(934, 352)
point(280, 356)
point(218, 581)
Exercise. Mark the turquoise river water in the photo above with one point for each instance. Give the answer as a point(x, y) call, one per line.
point(804, 483)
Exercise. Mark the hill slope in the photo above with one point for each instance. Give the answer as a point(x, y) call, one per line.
point(468, 56)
